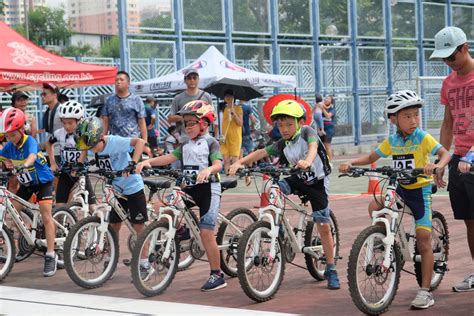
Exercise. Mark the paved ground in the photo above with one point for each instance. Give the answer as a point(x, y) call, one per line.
point(299, 293)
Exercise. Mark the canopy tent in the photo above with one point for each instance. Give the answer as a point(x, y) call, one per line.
point(212, 66)
point(25, 66)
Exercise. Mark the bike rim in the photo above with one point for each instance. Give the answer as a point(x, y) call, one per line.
point(232, 236)
point(437, 240)
point(6, 252)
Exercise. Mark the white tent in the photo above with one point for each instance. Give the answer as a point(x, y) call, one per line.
point(212, 66)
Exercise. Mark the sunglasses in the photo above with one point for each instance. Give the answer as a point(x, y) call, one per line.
point(190, 123)
point(191, 77)
point(452, 57)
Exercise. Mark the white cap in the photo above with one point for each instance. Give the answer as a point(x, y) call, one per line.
point(447, 40)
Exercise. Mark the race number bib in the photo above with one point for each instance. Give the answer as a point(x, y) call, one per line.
point(307, 176)
point(190, 171)
point(105, 164)
point(404, 161)
point(24, 178)
point(70, 155)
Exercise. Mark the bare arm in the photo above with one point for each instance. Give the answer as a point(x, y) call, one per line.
point(256, 155)
point(30, 160)
point(138, 145)
point(143, 129)
point(237, 117)
point(152, 123)
point(49, 151)
point(312, 152)
point(446, 132)
point(105, 124)
point(174, 118)
point(34, 127)
point(363, 160)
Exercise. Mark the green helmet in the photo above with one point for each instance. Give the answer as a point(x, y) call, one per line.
point(288, 107)
point(88, 133)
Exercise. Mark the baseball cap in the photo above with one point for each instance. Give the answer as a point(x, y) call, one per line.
point(447, 40)
point(190, 71)
point(51, 86)
point(17, 95)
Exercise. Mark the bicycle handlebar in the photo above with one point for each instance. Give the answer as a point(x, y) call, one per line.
point(269, 170)
point(386, 171)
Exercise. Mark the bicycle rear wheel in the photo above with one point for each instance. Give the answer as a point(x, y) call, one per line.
point(372, 287)
point(151, 244)
point(7, 252)
point(23, 248)
point(228, 237)
point(86, 264)
point(440, 246)
point(186, 257)
point(317, 265)
point(260, 276)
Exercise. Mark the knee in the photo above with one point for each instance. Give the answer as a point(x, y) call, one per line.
point(423, 241)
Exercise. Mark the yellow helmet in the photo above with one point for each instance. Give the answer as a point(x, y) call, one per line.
point(288, 107)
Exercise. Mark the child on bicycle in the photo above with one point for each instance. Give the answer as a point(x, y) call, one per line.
point(113, 154)
point(70, 113)
point(200, 155)
point(409, 148)
point(299, 147)
point(33, 175)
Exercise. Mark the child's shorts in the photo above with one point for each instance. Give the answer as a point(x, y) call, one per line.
point(419, 201)
point(43, 191)
point(207, 197)
point(135, 205)
point(65, 184)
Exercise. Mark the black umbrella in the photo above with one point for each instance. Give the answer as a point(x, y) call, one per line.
point(243, 90)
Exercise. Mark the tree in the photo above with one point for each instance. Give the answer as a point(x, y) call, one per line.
point(111, 48)
point(80, 49)
point(2, 6)
point(48, 26)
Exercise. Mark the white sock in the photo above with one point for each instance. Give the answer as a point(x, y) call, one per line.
point(51, 254)
point(144, 263)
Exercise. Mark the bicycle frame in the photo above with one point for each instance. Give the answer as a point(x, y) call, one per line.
point(81, 195)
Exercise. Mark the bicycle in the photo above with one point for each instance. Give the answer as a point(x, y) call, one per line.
point(31, 235)
point(91, 250)
point(162, 245)
point(270, 242)
point(380, 251)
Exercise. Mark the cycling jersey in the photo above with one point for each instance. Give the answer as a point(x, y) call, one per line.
point(67, 146)
point(410, 153)
point(39, 172)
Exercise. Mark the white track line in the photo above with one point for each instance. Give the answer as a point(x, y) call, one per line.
point(21, 301)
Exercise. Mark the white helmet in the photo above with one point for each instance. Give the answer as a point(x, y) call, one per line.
point(71, 109)
point(401, 100)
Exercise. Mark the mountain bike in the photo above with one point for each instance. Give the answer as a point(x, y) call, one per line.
point(31, 234)
point(272, 241)
point(380, 251)
point(160, 243)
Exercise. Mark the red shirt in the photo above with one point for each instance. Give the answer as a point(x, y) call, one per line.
point(458, 93)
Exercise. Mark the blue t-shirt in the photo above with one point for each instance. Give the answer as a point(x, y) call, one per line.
point(247, 109)
point(330, 121)
point(150, 113)
point(39, 172)
point(123, 114)
point(116, 156)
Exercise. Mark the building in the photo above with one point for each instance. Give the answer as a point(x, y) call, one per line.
point(99, 17)
point(14, 10)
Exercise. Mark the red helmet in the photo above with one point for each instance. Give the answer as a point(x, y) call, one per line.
point(12, 120)
point(200, 109)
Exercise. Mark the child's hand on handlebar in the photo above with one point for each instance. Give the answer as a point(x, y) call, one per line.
point(303, 164)
point(344, 167)
point(234, 168)
point(203, 175)
point(143, 164)
point(429, 168)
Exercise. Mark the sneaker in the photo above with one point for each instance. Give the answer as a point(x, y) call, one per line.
point(50, 265)
point(146, 272)
point(333, 279)
point(423, 300)
point(466, 285)
point(215, 282)
point(183, 233)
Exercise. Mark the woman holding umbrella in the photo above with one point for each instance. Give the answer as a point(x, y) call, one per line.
point(231, 139)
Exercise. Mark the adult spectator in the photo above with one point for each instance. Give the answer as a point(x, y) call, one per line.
point(192, 93)
point(63, 98)
point(20, 101)
point(329, 115)
point(49, 96)
point(451, 46)
point(123, 113)
point(150, 119)
point(318, 122)
point(248, 125)
point(231, 130)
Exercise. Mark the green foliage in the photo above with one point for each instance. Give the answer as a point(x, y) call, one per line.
point(79, 50)
point(2, 7)
point(111, 48)
point(294, 16)
point(48, 26)
point(160, 21)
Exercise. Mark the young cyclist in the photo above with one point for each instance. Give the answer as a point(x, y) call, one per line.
point(33, 174)
point(70, 113)
point(299, 146)
point(113, 154)
point(409, 148)
point(199, 155)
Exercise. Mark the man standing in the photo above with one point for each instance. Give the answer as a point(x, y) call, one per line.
point(248, 125)
point(49, 96)
point(192, 93)
point(150, 119)
point(457, 96)
point(123, 113)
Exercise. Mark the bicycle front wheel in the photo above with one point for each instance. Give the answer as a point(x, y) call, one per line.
point(317, 265)
point(440, 246)
point(228, 237)
point(260, 276)
point(154, 277)
point(372, 287)
point(7, 252)
point(88, 265)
